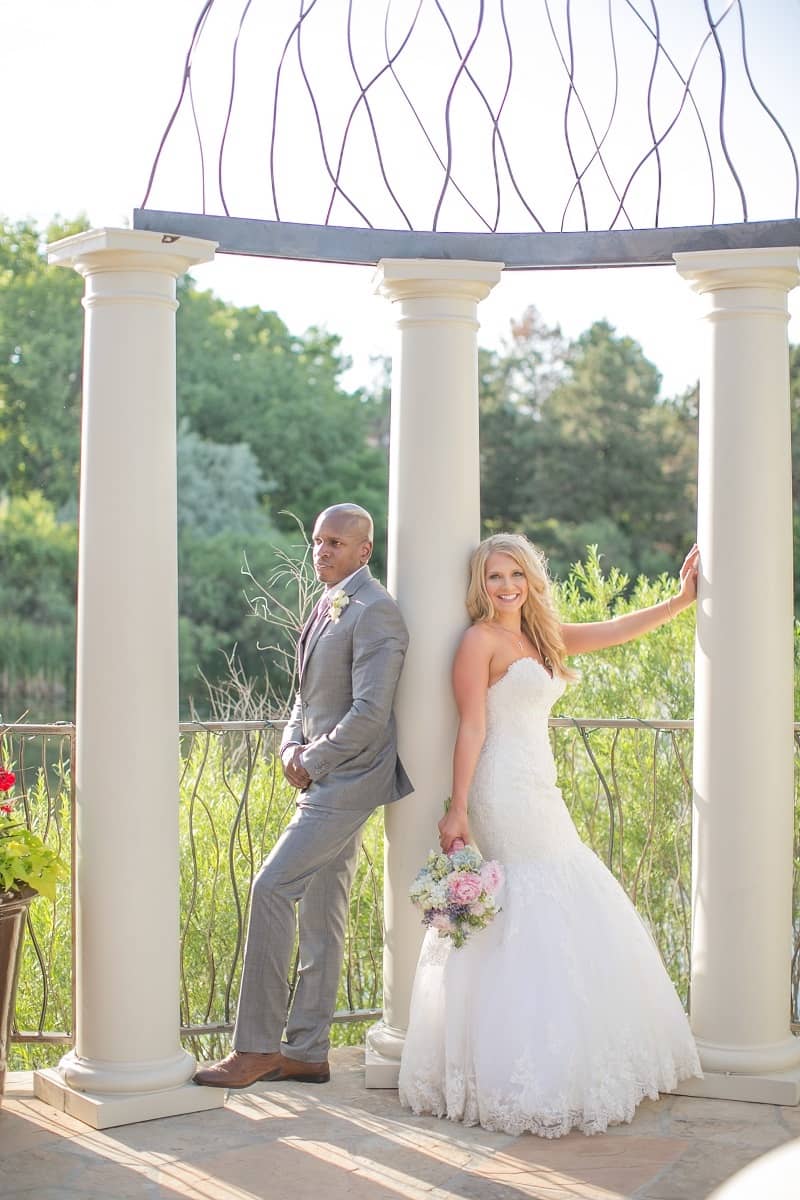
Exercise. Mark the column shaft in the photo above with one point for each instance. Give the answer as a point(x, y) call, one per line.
point(126, 772)
point(434, 524)
point(743, 757)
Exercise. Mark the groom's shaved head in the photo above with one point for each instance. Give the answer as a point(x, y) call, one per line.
point(342, 542)
point(352, 518)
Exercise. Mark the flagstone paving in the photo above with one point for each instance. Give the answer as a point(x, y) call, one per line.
point(341, 1142)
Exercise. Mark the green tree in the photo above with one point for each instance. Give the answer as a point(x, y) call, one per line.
point(794, 401)
point(269, 429)
point(37, 599)
point(580, 449)
point(222, 525)
point(514, 384)
point(219, 488)
point(216, 621)
point(242, 377)
point(41, 323)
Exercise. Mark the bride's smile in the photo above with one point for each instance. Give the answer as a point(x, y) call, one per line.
point(506, 583)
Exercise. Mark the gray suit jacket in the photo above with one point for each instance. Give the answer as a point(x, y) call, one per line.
point(342, 712)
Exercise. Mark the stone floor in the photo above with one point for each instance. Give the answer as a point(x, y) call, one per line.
point(337, 1141)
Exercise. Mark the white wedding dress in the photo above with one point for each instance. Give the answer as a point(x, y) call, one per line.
point(559, 1015)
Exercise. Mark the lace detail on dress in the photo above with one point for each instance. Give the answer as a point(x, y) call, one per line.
point(560, 1014)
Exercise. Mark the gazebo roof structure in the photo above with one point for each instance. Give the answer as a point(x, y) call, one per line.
point(533, 134)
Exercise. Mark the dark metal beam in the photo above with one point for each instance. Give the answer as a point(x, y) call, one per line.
point(519, 251)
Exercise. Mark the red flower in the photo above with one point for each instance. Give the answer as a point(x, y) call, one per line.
point(7, 809)
point(7, 779)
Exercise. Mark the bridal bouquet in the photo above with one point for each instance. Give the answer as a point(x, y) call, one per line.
point(457, 892)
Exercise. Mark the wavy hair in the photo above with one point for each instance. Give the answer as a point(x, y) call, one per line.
point(540, 620)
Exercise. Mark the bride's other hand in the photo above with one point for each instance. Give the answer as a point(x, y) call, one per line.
point(688, 575)
point(586, 636)
point(453, 825)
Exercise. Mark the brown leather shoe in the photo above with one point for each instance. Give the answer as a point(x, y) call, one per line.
point(240, 1069)
point(303, 1072)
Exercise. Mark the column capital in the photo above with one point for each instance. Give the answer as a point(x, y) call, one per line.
point(715, 270)
point(109, 249)
point(434, 278)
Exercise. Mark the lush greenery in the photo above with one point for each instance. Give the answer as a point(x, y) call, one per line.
point(26, 863)
point(44, 996)
point(649, 679)
point(265, 431)
point(264, 427)
point(578, 447)
point(37, 598)
point(235, 803)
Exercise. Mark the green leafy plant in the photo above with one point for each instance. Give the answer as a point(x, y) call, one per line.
point(25, 861)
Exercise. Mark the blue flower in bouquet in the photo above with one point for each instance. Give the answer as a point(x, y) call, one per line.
point(457, 892)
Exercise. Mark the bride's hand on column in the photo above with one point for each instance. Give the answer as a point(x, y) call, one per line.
point(688, 577)
point(454, 824)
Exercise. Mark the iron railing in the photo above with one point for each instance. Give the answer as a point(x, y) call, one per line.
point(42, 758)
point(627, 783)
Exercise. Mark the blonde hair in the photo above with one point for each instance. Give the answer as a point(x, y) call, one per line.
point(539, 617)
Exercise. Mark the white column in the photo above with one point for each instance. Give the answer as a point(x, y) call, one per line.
point(434, 524)
point(128, 1063)
point(743, 755)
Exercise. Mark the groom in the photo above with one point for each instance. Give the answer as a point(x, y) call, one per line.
point(339, 748)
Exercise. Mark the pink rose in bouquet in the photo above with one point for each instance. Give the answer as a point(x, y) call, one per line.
point(456, 892)
point(464, 888)
point(491, 874)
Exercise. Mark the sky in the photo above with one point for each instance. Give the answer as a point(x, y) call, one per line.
point(87, 87)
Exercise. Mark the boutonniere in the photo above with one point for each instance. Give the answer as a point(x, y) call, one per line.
point(339, 602)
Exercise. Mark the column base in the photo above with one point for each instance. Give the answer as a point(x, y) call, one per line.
point(779, 1088)
point(757, 1058)
point(384, 1045)
point(105, 1111)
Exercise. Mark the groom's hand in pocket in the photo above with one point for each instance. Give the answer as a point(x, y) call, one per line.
point(293, 769)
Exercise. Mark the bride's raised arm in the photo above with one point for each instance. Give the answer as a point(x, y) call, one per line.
point(470, 685)
point(597, 635)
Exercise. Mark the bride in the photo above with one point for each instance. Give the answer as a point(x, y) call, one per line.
point(559, 1015)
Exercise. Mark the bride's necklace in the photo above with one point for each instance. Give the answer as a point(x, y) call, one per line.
point(510, 633)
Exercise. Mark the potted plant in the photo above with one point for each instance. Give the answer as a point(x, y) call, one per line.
point(28, 868)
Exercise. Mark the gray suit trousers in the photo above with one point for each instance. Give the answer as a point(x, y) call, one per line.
point(312, 865)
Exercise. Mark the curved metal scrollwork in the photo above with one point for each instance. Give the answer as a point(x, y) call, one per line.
point(487, 115)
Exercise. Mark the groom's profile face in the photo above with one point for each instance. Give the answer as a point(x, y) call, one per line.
point(340, 548)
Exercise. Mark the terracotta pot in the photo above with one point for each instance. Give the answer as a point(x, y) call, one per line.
point(13, 911)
